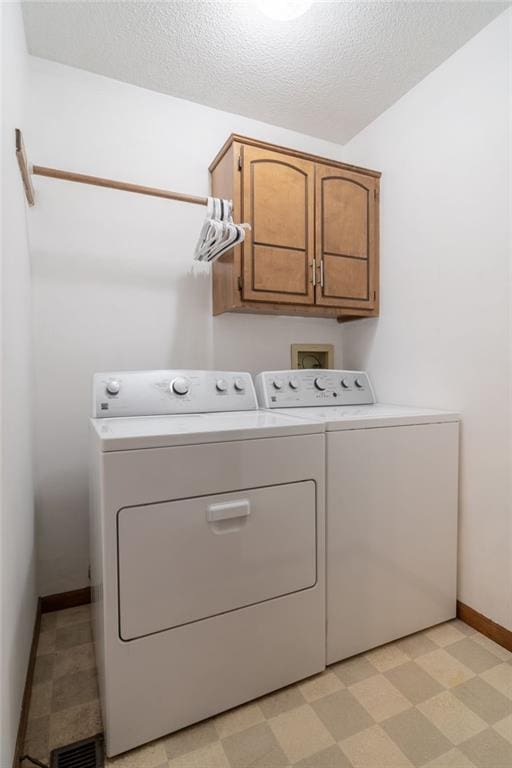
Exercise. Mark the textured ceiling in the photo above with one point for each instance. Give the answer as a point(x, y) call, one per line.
point(327, 73)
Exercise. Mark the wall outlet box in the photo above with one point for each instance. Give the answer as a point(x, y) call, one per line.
point(312, 355)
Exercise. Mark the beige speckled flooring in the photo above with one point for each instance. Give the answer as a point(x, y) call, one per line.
point(438, 699)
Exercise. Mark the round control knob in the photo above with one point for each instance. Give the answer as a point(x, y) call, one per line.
point(359, 383)
point(320, 383)
point(113, 387)
point(180, 386)
point(278, 384)
point(221, 385)
point(239, 385)
point(345, 384)
point(294, 383)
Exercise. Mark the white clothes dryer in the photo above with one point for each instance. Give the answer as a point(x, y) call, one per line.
point(391, 506)
point(207, 549)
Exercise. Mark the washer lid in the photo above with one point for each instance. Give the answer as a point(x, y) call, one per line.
point(338, 417)
point(131, 433)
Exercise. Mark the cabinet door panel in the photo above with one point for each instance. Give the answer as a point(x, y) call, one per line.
point(345, 278)
point(346, 238)
point(284, 270)
point(345, 217)
point(278, 202)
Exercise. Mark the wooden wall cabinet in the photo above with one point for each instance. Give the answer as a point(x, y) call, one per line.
point(313, 248)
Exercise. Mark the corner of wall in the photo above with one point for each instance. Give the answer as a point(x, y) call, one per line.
point(18, 577)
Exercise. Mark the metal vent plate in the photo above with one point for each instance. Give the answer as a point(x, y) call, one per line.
point(87, 753)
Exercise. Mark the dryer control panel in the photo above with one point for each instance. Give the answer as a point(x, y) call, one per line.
point(288, 389)
point(158, 393)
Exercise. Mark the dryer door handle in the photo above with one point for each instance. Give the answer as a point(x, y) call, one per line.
point(228, 510)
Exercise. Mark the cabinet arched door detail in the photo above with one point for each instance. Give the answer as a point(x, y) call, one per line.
point(278, 200)
point(346, 238)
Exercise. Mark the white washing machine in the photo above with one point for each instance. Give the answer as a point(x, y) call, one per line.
point(207, 549)
point(391, 506)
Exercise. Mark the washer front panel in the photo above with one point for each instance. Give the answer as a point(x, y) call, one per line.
point(392, 544)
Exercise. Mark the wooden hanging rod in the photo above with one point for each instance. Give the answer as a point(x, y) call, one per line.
point(54, 173)
point(80, 178)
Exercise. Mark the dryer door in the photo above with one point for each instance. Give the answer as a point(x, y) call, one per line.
point(185, 560)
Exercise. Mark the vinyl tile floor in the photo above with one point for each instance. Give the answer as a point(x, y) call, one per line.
point(439, 699)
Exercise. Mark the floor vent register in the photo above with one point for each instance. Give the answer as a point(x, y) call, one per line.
point(87, 753)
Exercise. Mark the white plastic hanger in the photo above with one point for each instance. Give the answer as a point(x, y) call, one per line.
point(219, 233)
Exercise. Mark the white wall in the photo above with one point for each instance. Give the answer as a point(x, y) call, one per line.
point(114, 284)
point(18, 594)
point(443, 338)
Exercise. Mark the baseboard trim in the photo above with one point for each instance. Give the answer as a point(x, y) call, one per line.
point(486, 626)
point(27, 691)
point(44, 605)
point(64, 600)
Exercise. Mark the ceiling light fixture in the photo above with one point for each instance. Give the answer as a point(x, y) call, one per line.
point(283, 10)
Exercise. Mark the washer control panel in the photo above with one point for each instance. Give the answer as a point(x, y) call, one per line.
point(288, 389)
point(156, 393)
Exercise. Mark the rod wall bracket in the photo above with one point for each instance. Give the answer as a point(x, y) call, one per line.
point(21, 157)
